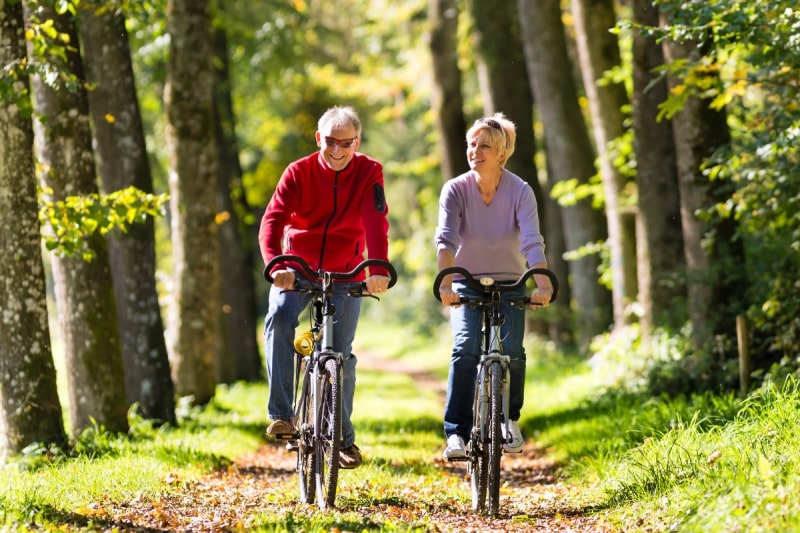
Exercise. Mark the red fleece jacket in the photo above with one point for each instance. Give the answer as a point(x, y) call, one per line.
point(328, 218)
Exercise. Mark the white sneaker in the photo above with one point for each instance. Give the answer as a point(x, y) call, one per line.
point(455, 447)
point(515, 437)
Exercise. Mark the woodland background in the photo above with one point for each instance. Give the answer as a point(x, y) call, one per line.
point(141, 140)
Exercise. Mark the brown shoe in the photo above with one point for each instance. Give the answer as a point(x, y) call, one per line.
point(349, 457)
point(281, 429)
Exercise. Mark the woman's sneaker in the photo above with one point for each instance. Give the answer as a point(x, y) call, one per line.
point(455, 448)
point(514, 439)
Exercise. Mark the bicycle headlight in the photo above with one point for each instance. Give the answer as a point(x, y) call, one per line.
point(304, 344)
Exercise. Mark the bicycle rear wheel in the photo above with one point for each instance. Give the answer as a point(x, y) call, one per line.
point(495, 451)
point(328, 443)
point(305, 440)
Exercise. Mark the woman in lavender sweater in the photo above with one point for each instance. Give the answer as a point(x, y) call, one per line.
point(489, 225)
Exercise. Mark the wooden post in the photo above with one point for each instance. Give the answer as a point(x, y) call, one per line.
point(743, 339)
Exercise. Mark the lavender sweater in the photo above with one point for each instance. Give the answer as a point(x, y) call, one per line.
point(492, 240)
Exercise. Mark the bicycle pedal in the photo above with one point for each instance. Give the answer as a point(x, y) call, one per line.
point(458, 459)
point(286, 436)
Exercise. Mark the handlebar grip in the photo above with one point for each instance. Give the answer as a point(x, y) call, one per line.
point(313, 274)
point(476, 284)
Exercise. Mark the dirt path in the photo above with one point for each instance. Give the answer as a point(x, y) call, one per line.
point(532, 499)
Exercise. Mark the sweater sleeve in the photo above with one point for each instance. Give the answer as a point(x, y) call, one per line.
point(276, 216)
point(530, 235)
point(446, 236)
point(374, 215)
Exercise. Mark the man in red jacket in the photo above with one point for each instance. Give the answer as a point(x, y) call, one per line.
point(329, 208)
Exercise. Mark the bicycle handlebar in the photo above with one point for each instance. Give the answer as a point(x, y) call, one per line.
point(493, 286)
point(317, 275)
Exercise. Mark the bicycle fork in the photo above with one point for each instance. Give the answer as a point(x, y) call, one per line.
point(487, 361)
point(493, 341)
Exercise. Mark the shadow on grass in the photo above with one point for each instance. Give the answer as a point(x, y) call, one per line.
point(622, 420)
point(66, 520)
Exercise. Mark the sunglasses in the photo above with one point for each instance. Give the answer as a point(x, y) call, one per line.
point(330, 142)
point(492, 123)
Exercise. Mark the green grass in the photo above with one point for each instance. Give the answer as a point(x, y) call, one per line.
point(709, 463)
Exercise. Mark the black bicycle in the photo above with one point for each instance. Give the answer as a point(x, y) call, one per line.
point(491, 401)
point(318, 374)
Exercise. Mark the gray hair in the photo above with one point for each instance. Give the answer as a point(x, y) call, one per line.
point(340, 117)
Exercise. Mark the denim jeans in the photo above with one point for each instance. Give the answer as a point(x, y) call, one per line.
point(465, 323)
point(281, 321)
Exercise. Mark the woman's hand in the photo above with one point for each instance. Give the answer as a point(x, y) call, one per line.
point(541, 297)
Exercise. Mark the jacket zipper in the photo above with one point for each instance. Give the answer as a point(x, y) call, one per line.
point(330, 219)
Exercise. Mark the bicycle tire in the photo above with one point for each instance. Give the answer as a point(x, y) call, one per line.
point(478, 452)
point(305, 456)
point(328, 445)
point(495, 439)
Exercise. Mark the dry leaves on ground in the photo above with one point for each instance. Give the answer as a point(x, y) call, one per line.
point(531, 500)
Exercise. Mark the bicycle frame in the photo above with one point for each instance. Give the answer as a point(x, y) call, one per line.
point(318, 406)
point(492, 395)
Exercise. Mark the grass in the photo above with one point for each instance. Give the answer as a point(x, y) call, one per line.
point(709, 463)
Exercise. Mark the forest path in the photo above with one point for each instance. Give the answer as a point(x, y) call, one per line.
point(532, 498)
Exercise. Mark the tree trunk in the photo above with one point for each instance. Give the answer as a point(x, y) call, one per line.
point(501, 68)
point(598, 52)
point(30, 410)
point(84, 290)
point(122, 162)
point(714, 257)
point(189, 92)
point(239, 358)
point(662, 293)
point(447, 101)
point(569, 155)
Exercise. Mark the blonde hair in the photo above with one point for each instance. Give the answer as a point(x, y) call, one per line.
point(502, 133)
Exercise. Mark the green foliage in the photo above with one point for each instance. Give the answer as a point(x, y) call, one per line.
point(750, 69)
point(73, 219)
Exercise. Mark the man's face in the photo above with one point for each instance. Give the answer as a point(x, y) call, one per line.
point(337, 145)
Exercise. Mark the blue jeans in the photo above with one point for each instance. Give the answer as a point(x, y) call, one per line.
point(466, 326)
point(281, 321)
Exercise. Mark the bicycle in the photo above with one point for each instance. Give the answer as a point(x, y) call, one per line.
point(318, 373)
point(491, 400)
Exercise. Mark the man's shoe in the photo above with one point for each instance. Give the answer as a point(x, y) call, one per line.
point(455, 448)
point(514, 439)
point(281, 429)
point(349, 457)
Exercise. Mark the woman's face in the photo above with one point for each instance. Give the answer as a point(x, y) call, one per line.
point(481, 154)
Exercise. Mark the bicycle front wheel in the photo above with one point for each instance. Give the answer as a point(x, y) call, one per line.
point(329, 435)
point(478, 452)
point(496, 376)
point(305, 440)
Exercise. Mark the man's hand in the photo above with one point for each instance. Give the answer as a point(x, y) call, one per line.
point(283, 279)
point(377, 284)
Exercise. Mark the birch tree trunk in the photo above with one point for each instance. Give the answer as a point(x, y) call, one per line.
point(84, 290)
point(189, 99)
point(448, 103)
point(239, 357)
point(122, 161)
point(662, 291)
point(598, 52)
point(505, 86)
point(569, 156)
point(30, 410)
point(714, 257)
